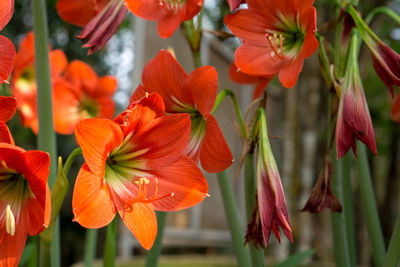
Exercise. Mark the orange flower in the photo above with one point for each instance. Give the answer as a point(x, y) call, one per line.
point(243, 78)
point(24, 199)
point(169, 13)
point(81, 95)
point(194, 94)
point(277, 37)
point(100, 19)
point(24, 79)
point(7, 110)
point(7, 50)
point(135, 165)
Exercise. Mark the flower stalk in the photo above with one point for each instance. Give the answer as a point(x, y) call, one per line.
point(392, 258)
point(155, 251)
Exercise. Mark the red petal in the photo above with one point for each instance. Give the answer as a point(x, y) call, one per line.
point(106, 107)
point(91, 202)
point(6, 11)
point(248, 25)
point(26, 54)
point(58, 62)
point(169, 23)
point(165, 76)
point(261, 86)
point(240, 77)
point(185, 180)
point(77, 12)
point(82, 76)
point(289, 73)
point(11, 247)
point(215, 155)
point(37, 172)
point(146, 9)
point(5, 135)
point(7, 55)
point(141, 221)
point(166, 137)
point(97, 138)
point(202, 83)
point(106, 86)
point(38, 213)
point(65, 108)
point(7, 108)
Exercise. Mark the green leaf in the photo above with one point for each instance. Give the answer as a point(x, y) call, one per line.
point(296, 259)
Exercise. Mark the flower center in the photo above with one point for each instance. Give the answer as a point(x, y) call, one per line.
point(172, 5)
point(88, 108)
point(197, 133)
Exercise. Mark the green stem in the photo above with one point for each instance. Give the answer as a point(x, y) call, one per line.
point(110, 246)
point(197, 59)
point(46, 136)
point(383, 10)
point(70, 159)
point(33, 259)
point(44, 252)
point(348, 208)
point(257, 255)
point(90, 247)
point(392, 258)
point(340, 242)
point(369, 207)
point(231, 94)
point(155, 251)
point(234, 220)
point(325, 64)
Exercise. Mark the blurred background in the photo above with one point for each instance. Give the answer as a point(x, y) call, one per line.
point(297, 117)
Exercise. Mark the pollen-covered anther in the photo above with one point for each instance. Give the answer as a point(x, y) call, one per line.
point(10, 221)
point(275, 41)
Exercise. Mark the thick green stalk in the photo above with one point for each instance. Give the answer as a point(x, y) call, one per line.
point(155, 251)
point(348, 208)
point(44, 252)
point(90, 246)
point(392, 258)
point(197, 59)
point(33, 259)
point(369, 207)
point(46, 136)
point(340, 242)
point(257, 255)
point(234, 220)
point(110, 246)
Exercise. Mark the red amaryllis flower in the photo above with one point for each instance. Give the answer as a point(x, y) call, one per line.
point(25, 199)
point(243, 78)
point(169, 13)
point(395, 114)
point(81, 95)
point(194, 94)
point(135, 165)
point(24, 79)
point(277, 37)
point(7, 50)
point(322, 195)
point(100, 19)
point(271, 199)
point(354, 121)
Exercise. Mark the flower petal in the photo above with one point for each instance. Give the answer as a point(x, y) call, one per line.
point(11, 247)
point(65, 108)
point(141, 221)
point(7, 55)
point(82, 76)
point(91, 202)
point(146, 9)
point(168, 24)
point(58, 62)
point(77, 12)
point(215, 155)
point(7, 108)
point(185, 180)
point(6, 11)
point(97, 138)
point(38, 212)
point(5, 135)
point(202, 83)
point(289, 73)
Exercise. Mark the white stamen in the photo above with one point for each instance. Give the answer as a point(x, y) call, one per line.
point(10, 221)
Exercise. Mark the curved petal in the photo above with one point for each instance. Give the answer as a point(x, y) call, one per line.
point(82, 76)
point(6, 11)
point(146, 9)
point(68, 10)
point(97, 138)
point(261, 86)
point(256, 60)
point(215, 155)
point(26, 54)
point(165, 139)
point(38, 213)
point(164, 75)
point(106, 86)
point(168, 24)
point(141, 221)
point(288, 74)
point(185, 180)
point(91, 202)
point(37, 172)
point(65, 108)
point(106, 107)
point(5, 135)
point(11, 247)
point(248, 25)
point(7, 55)
point(240, 77)
point(7, 108)
point(202, 83)
point(58, 62)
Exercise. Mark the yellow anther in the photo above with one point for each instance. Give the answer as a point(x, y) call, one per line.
point(10, 221)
